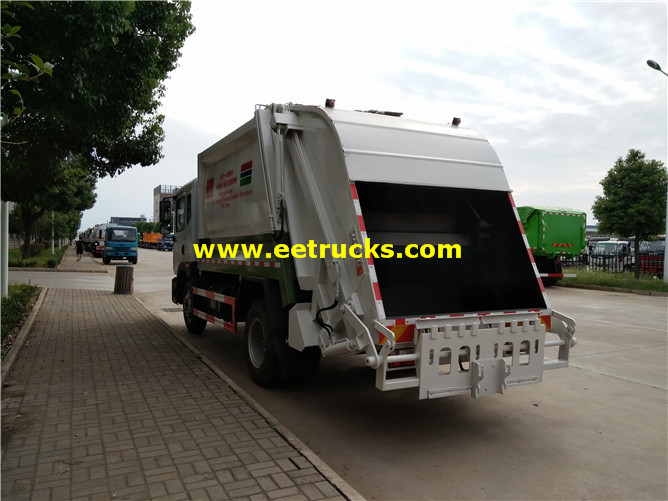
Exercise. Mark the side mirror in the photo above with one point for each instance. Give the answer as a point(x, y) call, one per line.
point(166, 216)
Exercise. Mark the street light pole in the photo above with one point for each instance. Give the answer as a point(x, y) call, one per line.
point(656, 66)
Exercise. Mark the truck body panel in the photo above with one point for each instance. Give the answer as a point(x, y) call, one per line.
point(553, 233)
point(150, 240)
point(416, 153)
point(317, 178)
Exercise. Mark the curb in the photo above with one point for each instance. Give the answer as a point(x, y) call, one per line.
point(640, 292)
point(334, 478)
point(56, 270)
point(13, 352)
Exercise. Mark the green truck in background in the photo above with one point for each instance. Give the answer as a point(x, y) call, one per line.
point(553, 233)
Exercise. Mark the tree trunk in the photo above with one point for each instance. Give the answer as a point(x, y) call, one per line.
point(28, 217)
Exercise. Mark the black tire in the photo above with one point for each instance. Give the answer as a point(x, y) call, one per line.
point(194, 324)
point(106, 260)
point(260, 349)
point(133, 260)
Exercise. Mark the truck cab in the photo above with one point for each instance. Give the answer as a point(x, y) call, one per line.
point(120, 242)
point(166, 243)
point(612, 255)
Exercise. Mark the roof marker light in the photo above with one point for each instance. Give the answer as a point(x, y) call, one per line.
point(329, 103)
point(456, 121)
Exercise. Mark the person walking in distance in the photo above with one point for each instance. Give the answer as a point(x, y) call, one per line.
point(79, 249)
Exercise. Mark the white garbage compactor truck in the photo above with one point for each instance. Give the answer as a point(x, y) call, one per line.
point(331, 232)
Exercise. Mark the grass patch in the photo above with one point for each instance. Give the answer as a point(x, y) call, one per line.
point(44, 259)
point(621, 280)
point(15, 306)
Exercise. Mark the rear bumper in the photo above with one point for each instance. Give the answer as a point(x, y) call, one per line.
point(478, 356)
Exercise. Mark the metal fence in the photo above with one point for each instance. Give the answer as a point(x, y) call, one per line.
point(651, 263)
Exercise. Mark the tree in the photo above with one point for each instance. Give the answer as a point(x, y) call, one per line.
point(72, 190)
point(100, 106)
point(634, 200)
point(15, 70)
point(146, 227)
point(111, 60)
point(65, 224)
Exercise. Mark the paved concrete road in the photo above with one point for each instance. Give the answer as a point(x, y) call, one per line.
point(596, 430)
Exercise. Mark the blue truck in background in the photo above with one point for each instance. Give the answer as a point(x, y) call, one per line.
point(166, 243)
point(120, 242)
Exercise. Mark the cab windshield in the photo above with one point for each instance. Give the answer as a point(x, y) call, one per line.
point(606, 249)
point(121, 234)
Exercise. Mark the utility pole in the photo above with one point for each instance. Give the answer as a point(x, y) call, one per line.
point(656, 66)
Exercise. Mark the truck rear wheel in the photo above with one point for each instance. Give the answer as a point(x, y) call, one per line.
point(260, 351)
point(194, 324)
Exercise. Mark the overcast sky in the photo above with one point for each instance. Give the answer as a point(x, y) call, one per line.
point(561, 90)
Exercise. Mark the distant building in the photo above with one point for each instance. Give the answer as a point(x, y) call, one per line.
point(159, 193)
point(127, 221)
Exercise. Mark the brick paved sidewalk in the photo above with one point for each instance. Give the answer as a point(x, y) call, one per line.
point(105, 403)
point(87, 263)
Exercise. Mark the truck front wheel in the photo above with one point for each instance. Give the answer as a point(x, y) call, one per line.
point(260, 352)
point(194, 324)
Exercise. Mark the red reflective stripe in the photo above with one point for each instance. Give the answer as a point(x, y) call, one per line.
point(353, 190)
point(512, 200)
point(360, 221)
point(521, 227)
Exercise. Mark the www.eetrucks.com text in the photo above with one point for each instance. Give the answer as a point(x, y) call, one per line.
point(314, 250)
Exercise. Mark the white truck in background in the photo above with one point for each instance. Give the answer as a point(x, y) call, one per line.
point(312, 177)
point(97, 239)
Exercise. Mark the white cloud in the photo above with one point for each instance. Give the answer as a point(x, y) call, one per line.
point(560, 89)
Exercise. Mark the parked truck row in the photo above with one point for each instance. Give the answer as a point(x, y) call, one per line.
point(156, 240)
point(111, 242)
point(295, 174)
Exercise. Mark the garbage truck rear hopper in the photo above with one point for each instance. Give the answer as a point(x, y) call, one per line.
point(330, 232)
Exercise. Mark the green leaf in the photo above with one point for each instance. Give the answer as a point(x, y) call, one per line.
point(48, 68)
point(39, 64)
